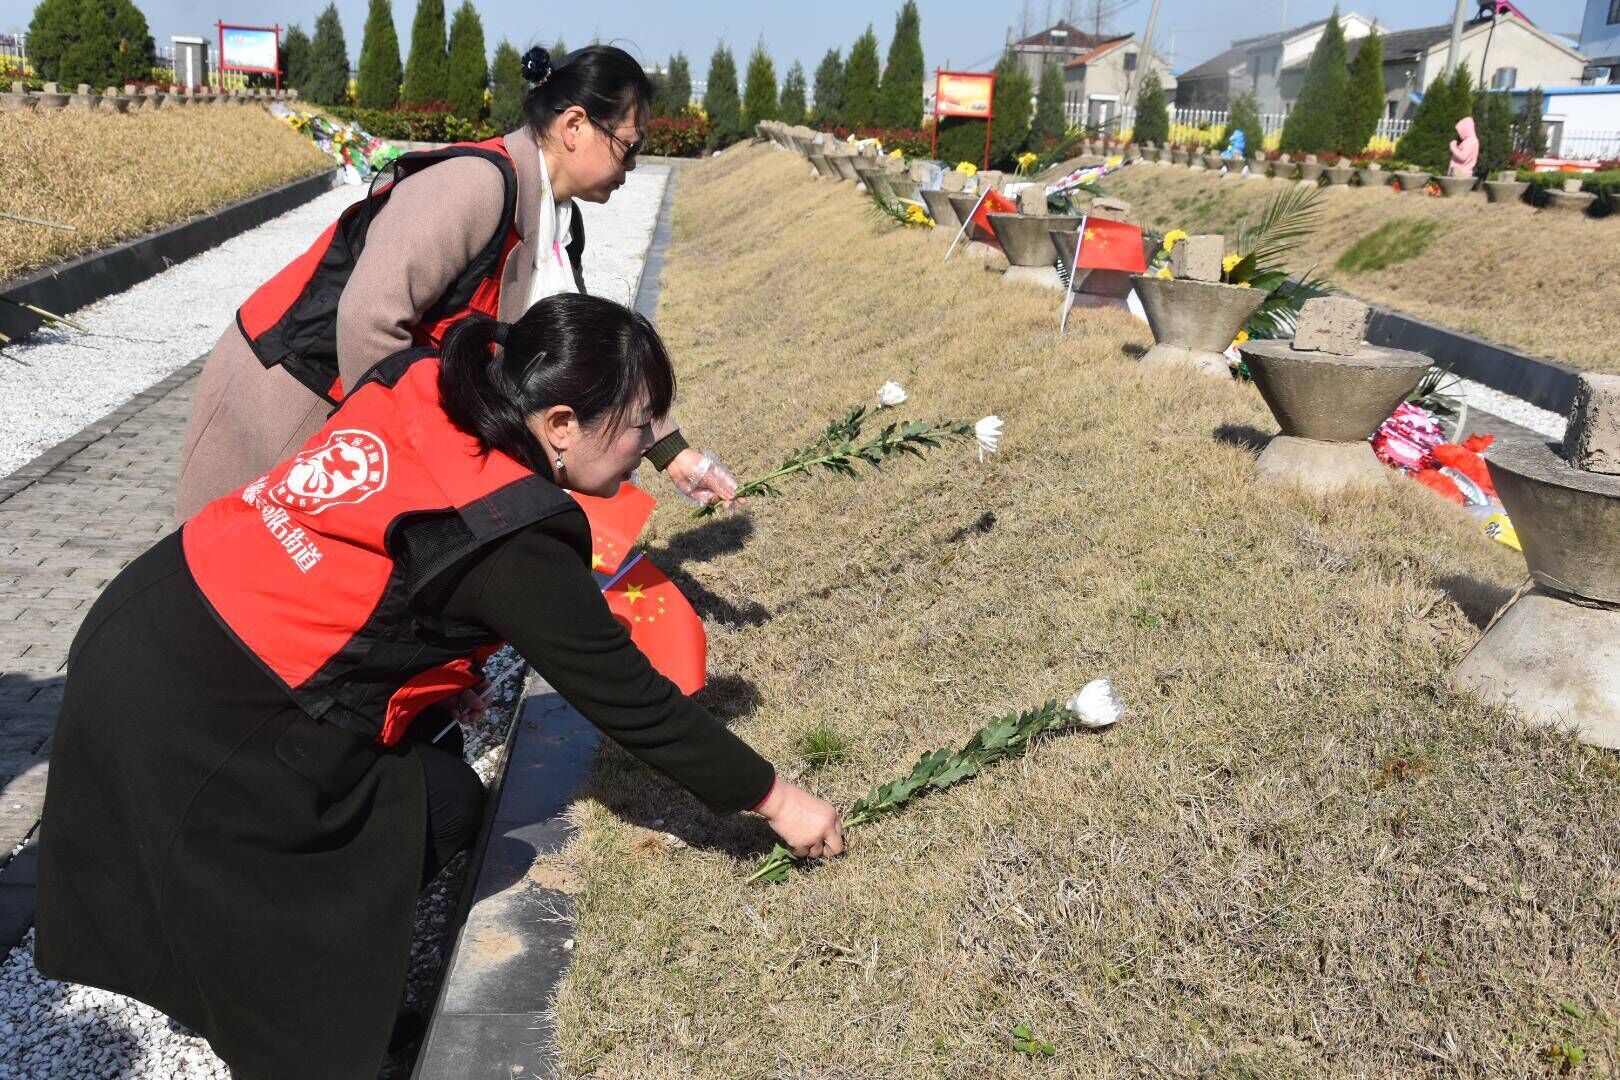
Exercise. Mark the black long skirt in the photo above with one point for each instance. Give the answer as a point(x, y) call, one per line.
point(211, 850)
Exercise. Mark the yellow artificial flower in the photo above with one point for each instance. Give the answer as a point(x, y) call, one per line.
point(1241, 284)
point(967, 168)
point(1174, 237)
point(1243, 335)
point(1165, 274)
point(1230, 261)
point(897, 153)
point(1028, 158)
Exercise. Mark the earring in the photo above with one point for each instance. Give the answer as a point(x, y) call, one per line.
point(559, 461)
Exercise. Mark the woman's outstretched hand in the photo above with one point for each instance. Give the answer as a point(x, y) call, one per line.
point(702, 478)
point(807, 825)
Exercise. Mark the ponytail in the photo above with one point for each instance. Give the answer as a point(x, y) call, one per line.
point(597, 357)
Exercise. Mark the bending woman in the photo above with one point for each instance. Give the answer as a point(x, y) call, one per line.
point(243, 801)
point(488, 227)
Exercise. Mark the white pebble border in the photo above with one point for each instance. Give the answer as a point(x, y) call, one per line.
point(61, 381)
point(1481, 397)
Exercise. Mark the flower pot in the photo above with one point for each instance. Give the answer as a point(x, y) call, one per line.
point(845, 164)
point(904, 187)
point(1338, 175)
point(1505, 191)
point(941, 210)
point(1328, 398)
point(1455, 187)
point(1310, 172)
point(1213, 162)
point(1026, 239)
point(823, 167)
point(1193, 322)
point(1576, 201)
point(1374, 177)
point(1178, 157)
point(1259, 166)
point(1412, 181)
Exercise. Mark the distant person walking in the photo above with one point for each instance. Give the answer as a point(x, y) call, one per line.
point(249, 781)
point(487, 227)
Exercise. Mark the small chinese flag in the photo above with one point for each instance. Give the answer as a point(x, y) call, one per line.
point(616, 522)
point(994, 202)
point(661, 623)
point(1110, 245)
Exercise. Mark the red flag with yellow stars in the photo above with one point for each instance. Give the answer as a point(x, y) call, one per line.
point(661, 623)
point(1111, 245)
point(994, 202)
point(615, 524)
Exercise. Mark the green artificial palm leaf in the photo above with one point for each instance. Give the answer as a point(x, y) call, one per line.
point(1291, 215)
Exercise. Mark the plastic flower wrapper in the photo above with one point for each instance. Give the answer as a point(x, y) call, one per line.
point(691, 483)
point(988, 432)
point(891, 394)
point(1096, 705)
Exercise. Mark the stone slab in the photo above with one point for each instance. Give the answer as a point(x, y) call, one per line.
point(1592, 441)
point(1198, 258)
point(1331, 324)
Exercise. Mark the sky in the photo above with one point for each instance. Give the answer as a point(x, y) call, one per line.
point(963, 34)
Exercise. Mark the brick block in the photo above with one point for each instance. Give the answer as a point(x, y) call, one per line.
point(1592, 440)
point(1198, 258)
point(1331, 324)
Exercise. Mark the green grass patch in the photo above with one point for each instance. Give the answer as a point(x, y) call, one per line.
point(1391, 243)
point(822, 745)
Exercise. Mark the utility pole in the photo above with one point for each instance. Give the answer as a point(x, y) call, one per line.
point(1144, 55)
point(1284, 16)
point(1456, 37)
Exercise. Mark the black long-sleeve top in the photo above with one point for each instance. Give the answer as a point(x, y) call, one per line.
point(535, 589)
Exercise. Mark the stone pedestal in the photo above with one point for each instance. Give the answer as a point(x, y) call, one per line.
point(1026, 240)
point(1453, 187)
point(1259, 167)
point(1193, 322)
point(823, 167)
point(1105, 287)
point(1570, 198)
point(941, 210)
point(1371, 177)
point(110, 99)
point(1178, 157)
point(1555, 651)
point(845, 164)
point(1339, 175)
point(1412, 181)
point(84, 99)
point(18, 98)
point(1505, 191)
point(1328, 406)
point(52, 97)
point(1310, 172)
point(964, 206)
point(1213, 162)
point(903, 187)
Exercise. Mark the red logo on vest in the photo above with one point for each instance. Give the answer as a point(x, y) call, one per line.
point(350, 467)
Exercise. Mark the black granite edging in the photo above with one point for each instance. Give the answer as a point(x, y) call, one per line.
point(71, 285)
point(516, 936)
point(26, 475)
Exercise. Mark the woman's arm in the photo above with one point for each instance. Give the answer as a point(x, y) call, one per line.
point(535, 591)
point(433, 226)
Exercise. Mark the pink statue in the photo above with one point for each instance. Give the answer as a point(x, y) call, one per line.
point(1464, 149)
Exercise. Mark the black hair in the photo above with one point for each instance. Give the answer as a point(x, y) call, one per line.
point(586, 352)
point(604, 80)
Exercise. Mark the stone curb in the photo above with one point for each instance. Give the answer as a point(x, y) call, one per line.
point(27, 475)
point(71, 285)
point(487, 1015)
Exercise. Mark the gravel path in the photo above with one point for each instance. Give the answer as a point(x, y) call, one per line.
point(1482, 397)
point(52, 387)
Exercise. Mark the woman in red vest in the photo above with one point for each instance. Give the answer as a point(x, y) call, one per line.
point(488, 227)
point(243, 800)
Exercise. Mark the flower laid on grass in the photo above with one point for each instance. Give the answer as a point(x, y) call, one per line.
point(988, 432)
point(1094, 707)
point(909, 214)
point(837, 452)
point(891, 394)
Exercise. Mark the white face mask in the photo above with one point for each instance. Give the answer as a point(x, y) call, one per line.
point(553, 227)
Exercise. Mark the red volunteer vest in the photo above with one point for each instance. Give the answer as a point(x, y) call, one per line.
point(317, 567)
point(291, 320)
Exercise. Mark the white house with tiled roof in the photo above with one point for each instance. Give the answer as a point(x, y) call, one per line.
point(1097, 82)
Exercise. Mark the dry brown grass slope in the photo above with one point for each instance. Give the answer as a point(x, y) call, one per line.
point(1543, 281)
point(1300, 854)
point(116, 176)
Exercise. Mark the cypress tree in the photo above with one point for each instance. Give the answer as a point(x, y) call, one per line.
point(427, 72)
point(1493, 120)
point(1152, 112)
point(1426, 143)
point(92, 57)
point(759, 94)
point(678, 84)
point(53, 28)
point(469, 72)
point(1319, 120)
point(558, 50)
point(1050, 121)
point(297, 58)
point(720, 100)
point(791, 108)
point(1529, 137)
point(137, 54)
point(861, 82)
point(1244, 116)
point(508, 88)
point(380, 71)
point(1010, 135)
point(1366, 93)
point(829, 107)
point(900, 101)
point(328, 60)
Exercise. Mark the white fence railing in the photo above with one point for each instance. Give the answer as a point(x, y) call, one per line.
point(1582, 145)
point(1192, 123)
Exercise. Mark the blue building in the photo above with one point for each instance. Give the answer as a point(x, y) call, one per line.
point(1600, 41)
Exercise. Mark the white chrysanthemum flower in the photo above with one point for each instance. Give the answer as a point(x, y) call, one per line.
point(1096, 705)
point(988, 432)
point(891, 394)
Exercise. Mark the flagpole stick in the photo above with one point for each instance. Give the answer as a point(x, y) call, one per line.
point(1074, 273)
point(968, 224)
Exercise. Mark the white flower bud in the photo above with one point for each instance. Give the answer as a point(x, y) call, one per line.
point(988, 432)
point(891, 394)
point(1095, 704)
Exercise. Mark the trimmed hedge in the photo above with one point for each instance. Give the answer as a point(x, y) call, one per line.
point(677, 136)
point(431, 123)
point(909, 141)
point(1602, 184)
